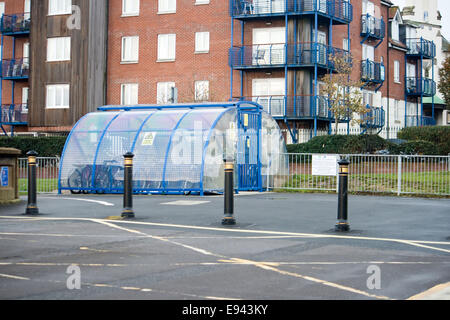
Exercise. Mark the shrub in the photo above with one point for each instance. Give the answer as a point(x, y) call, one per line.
point(415, 147)
point(437, 135)
point(44, 146)
point(351, 144)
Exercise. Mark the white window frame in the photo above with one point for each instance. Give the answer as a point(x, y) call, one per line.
point(63, 7)
point(199, 2)
point(54, 47)
point(132, 13)
point(397, 71)
point(130, 49)
point(202, 41)
point(129, 94)
point(201, 90)
point(167, 6)
point(167, 45)
point(164, 92)
point(27, 9)
point(51, 101)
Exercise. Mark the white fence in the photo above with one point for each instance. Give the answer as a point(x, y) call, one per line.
point(392, 174)
point(47, 171)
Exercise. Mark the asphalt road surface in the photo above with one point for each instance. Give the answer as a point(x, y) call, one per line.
point(283, 248)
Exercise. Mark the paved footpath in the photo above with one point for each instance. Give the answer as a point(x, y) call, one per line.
point(283, 248)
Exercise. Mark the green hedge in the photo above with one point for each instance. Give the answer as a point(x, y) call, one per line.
point(353, 144)
point(44, 146)
point(437, 135)
point(364, 144)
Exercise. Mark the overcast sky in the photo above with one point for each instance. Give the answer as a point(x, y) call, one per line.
point(444, 8)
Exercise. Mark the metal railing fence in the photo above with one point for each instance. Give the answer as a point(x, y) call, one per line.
point(391, 174)
point(47, 172)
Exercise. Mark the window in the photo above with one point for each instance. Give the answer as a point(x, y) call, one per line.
point(58, 49)
point(130, 7)
point(27, 9)
point(368, 52)
point(346, 44)
point(167, 6)
point(368, 97)
point(202, 42)
point(166, 47)
point(165, 92)
point(59, 7)
point(130, 49)
point(201, 1)
point(396, 110)
point(129, 94)
point(395, 28)
point(201, 90)
point(425, 16)
point(58, 96)
point(397, 71)
point(2, 8)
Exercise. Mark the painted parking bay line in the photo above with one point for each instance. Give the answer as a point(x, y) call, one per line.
point(185, 203)
point(104, 203)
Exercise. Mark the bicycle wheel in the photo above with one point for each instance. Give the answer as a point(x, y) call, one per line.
point(74, 181)
point(86, 177)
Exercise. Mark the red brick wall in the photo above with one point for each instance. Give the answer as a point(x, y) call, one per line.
point(188, 66)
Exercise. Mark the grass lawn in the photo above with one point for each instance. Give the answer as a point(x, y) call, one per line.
point(43, 185)
point(437, 183)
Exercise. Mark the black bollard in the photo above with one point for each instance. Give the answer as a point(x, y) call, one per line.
point(128, 186)
point(342, 224)
point(229, 219)
point(32, 208)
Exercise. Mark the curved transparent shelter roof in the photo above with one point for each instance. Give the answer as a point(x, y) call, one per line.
point(177, 148)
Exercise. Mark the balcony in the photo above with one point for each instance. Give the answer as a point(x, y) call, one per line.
point(372, 72)
point(340, 10)
point(15, 24)
point(374, 118)
point(420, 87)
point(417, 120)
point(420, 48)
point(15, 69)
point(294, 107)
point(14, 114)
point(274, 56)
point(372, 28)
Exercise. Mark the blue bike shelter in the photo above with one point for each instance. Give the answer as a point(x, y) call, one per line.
point(178, 148)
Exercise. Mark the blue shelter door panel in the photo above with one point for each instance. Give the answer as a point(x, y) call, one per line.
point(248, 160)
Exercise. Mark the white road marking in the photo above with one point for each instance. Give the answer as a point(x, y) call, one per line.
point(9, 276)
point(185, 203)
point(104, 203)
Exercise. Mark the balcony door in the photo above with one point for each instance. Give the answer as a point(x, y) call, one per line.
point(269, 46)
point(270, 94)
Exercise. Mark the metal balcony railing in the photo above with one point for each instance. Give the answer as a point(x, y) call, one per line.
point(278, 55)
point(337, 9)
point(420, 47)
point(14, 114)
point(300, 107)
point(420, 86)
point(373, 72)
point(15, 69)
point(417, 120)
point(374, 118)
point(372, 27)
point(15, 24)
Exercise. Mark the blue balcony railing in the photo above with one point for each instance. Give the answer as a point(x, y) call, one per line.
point(298, 107)
point(13, 114)
point(15, 69)
point(278, 55)
point(420, 86)
point(342, 10)
point(417, 120)
point(418, 47)
point(374, 118)
point(372, 27)
point(13, 24)
point(373, 72)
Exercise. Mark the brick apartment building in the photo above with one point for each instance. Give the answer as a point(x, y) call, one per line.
point(87, 53)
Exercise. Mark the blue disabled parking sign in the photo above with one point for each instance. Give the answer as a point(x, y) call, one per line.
point(4, 176)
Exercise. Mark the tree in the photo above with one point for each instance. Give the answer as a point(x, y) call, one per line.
point(444, 82)
point(344, 94)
